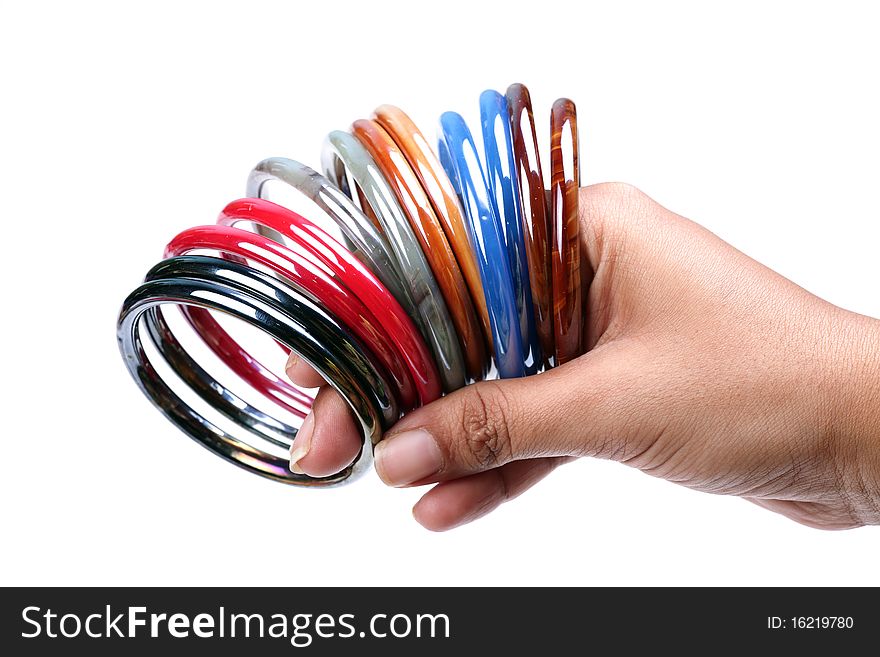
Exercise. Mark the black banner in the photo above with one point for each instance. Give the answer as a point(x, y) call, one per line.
point(328, 621)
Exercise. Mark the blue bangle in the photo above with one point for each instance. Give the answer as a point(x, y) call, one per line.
point(460, 160)
point(506, 202)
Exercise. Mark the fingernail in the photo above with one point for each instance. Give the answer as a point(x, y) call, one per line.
point(407, 457)
point(302, 443)
point(292, 360)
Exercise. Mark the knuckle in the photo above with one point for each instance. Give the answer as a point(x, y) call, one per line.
point(607, 212)
point(484, 417)
point(614, 200)
point(613, 192)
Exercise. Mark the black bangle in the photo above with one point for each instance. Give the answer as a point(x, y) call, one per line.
point(285, 315)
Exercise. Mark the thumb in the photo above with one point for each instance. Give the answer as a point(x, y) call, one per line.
point(586, 407)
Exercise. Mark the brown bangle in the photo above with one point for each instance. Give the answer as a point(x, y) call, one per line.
point(535, 216)
point(403, 181)
point(443, 198)
point(565, 243)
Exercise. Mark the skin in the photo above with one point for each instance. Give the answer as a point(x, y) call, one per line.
point(705, 368)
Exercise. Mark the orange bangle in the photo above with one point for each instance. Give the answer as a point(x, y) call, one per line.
point(535, 216)
point(420, 212)
point(565, 241)
point(436, 185)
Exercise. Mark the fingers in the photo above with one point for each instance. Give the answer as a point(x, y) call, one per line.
point(454, 503)
point(328, 440)
point(585, 407)
point(301, 373)
point(811, 514)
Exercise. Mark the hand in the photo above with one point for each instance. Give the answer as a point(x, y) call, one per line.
point(705, 368)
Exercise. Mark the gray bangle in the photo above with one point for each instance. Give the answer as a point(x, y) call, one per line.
point(345, 156)
point(361, 236)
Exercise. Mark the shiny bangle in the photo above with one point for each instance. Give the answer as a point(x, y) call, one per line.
point(220, 397)
point(308, 278)
point(320, 246)
point(343, 155)
point(443, 200)
point(460, 160)
point(435, 246)
point(284, 314)
point(536, 220)
point(359, 233)
point(373, 389)
point(505, 199)
point(240, 361)
point(565, 240)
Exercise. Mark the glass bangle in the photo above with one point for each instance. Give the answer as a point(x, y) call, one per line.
point(505, 198)
point(361, 236)
point(308, 278)
point(460, 160)
point(441, 194)
point(220, 397)
point(416, 274)
point(353, 275)
point(536, 218)
point(344, 156)
point(434, 244)
point(565, 237)
point(284, 314)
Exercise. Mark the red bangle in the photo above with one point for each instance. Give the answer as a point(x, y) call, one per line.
point(308, 277)
point(354, 276)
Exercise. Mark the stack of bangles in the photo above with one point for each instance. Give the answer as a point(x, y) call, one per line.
point(441, 270)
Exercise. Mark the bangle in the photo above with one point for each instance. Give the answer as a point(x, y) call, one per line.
point(284, 314)
point(443, 200)
point(565, 241)
point(422, 270)
point(459, 158)
point(535, 216)
point(358, 232)
point(505, 199)
point(323, 249)
point(308, 278)
point(436, 248)
point(344, 156)
point(259, 377)
point(220, 397)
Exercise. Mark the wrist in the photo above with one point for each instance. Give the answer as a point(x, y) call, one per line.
point(854, 411)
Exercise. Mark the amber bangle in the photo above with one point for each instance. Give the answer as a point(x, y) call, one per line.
point(438, 188)
point(427, 228)
point(565, 240)
point(536, 219)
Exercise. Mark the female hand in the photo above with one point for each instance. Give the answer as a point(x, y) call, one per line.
point(705, 368)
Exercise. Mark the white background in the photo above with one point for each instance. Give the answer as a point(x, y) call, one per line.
point(122, 126)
